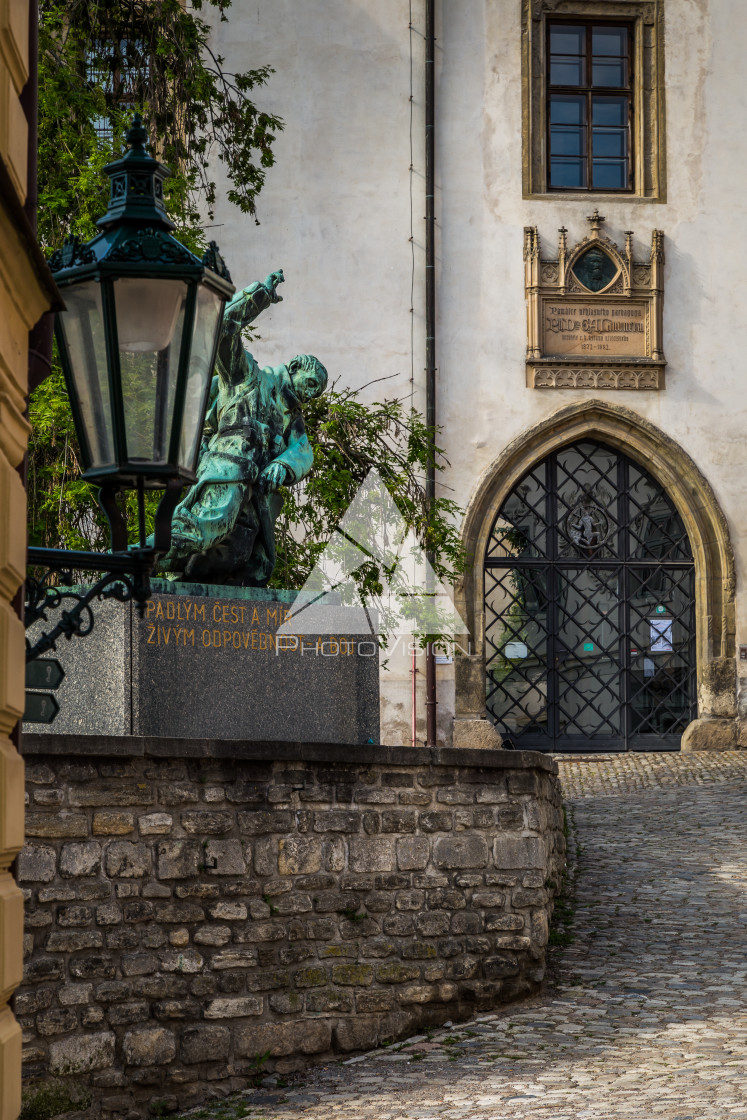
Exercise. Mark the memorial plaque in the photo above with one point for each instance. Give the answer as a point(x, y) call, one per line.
point(600, 330)
point(594, 314)
point(206, 662)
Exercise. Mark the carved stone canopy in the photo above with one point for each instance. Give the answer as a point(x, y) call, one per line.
point(594, 314)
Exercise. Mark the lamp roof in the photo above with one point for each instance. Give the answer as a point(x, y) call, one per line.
point(135, 236)
point(136, 184)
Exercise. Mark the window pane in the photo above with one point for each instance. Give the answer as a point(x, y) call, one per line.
point(566, 172)
point(610, 143)
point(609, 73)
point(611, 42)
point(567, 51)
point(609, 111)
point(567, 40)
point(566, 71)
point(610, 174)
point(569, 142)
point(569, 109)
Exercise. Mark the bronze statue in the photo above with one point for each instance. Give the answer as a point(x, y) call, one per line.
point(254, 441)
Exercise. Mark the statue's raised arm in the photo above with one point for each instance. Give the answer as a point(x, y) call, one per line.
point(243, 309)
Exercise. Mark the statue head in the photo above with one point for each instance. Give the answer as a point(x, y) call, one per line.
point(308, 375)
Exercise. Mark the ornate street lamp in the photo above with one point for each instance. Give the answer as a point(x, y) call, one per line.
point(137, 343)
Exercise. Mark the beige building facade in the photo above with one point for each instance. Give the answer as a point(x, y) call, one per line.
point(25, 293)
point(562, 126)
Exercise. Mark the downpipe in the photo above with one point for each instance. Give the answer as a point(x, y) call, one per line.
point(431, 699)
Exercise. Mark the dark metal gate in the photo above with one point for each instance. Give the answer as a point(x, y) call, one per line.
point(590, 608)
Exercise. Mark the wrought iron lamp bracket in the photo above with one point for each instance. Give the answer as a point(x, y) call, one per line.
point(79, 619)
point(126, 571)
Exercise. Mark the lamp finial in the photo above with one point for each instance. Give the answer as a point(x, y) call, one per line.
point(137, 135)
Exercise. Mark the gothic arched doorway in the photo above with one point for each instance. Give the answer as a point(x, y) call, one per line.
point(589, 590)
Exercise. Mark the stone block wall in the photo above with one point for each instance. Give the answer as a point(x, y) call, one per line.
point(189, 919)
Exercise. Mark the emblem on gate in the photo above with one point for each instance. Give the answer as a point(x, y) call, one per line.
point(587, 525)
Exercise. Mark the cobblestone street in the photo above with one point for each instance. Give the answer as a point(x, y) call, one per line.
point(647, 1013)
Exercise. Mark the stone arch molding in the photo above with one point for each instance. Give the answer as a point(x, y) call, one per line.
point(716, 727)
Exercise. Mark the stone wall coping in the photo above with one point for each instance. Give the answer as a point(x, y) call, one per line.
point(143, 746)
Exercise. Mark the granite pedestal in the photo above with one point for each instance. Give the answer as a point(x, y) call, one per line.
point(206, 661)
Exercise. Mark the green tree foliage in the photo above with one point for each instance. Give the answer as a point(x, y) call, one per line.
point(349, 439)
point(99, 60)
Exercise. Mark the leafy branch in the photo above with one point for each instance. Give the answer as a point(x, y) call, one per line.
point(349, 439)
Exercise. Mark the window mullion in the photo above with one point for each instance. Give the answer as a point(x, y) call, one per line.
point(630, 128)
point(630, 153)
point(589, 105)
point(589, 108)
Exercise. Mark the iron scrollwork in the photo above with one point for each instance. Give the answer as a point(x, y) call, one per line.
point(213, 260)
point(73, 252)
point(77, 620)
point(126, 572)
point(150, 244)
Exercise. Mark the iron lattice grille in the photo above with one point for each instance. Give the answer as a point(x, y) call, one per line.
point(589, 608)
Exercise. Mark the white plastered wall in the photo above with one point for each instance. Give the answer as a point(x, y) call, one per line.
point(336, 215)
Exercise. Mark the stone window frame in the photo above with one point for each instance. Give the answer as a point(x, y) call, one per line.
point(648, 136)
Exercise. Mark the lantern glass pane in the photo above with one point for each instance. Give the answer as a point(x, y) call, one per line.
point(83, 328)
point(149, 362)
point(147, 312)
point(208, 320)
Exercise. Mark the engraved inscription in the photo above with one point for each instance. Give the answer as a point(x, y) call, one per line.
point(236, 626)
point(614, 330)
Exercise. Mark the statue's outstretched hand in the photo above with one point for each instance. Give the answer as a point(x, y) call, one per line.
point(271, 284)
point(272, 477)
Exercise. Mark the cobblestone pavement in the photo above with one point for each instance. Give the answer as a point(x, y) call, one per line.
point(592, 775)
point(648, 1013)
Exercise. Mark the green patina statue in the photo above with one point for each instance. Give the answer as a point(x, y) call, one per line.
point(254, 441)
